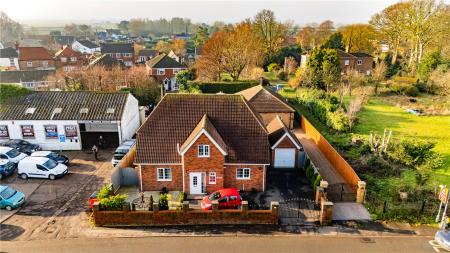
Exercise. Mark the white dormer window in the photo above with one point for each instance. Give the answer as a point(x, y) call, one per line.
point(161, 72)
point(359, 62)
point(73, 59)
point(30, 110)
point(63, 59)
point(110, 110)
point(57, 110)
point(347, 62)
point(203, 150)
point(84, 110)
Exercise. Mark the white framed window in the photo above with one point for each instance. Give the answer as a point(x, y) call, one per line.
point(73, 59)
point(128, 63)
point(29, 64)
point(203, 150)
point(243, 173)
point(29, 85)
point(45, 63)
point(164, 174)
point(63, 59)
point(212, 177)
point(347, 62)
point(118, 55)
point(359, 62)
point(127, 55)
point(161, 72)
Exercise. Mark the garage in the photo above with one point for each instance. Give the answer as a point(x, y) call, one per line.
point(284, 158)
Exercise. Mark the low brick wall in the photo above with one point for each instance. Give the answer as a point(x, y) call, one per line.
point(187, 217)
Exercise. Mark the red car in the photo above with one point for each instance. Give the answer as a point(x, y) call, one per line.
point(227, 198)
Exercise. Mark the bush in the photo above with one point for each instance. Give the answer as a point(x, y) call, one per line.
point(8, 91)
point(282, 75)
point(105, 192)
point(225, 87)
point(164, 201)
point(316, 181)
point(338, 120)
point(412, 91)
point(113, 202)
point(273, 67)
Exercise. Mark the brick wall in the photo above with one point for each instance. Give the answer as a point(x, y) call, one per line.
point(213, 163)
point(256, 177)
point(287, 118)
point(36, 64)
point(365, 66)
point(150, 182)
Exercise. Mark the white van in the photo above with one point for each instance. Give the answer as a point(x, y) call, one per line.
point(122, 150)
point(11, 154)
point(41, 167)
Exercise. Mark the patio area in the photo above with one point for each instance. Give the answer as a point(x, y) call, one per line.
point(134, 196)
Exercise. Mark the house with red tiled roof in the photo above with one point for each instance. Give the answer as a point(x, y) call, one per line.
point(35, 58)
point(164, 69)
point(68, 59)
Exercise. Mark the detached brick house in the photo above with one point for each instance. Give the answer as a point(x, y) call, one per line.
point(35, 58)
point(361, 62)
point(164, 70)
point(123, 52)
point(200, 143)
point(68, 59)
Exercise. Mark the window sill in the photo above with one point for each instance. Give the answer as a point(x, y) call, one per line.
point(203, 156)
point(243, 178)
point(164, 180)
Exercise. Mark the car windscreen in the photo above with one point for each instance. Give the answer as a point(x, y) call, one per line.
point(214, 196)
point(7, 193)
point(50, 164)
point(52, 155)
point(118, 156)
point(12, 153)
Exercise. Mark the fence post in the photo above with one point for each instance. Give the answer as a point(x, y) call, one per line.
point(185, 206)
point(244, 207)
point(275, 207)
point(326, 212)
point(361, 192)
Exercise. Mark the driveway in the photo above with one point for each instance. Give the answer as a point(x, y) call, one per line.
point(55, 209)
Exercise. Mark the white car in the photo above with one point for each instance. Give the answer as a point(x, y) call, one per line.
point(11, 154)
point(122, 150)
point(41, 167)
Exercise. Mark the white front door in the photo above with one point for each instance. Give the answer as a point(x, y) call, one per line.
point(284, 158)
point(195, 183)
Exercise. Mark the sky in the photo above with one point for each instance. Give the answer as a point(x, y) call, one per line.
point(207, 11)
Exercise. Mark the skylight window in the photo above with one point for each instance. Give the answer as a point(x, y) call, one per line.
point(30, 110)
point(84, 110)
point(57, 110)
point(110, 110)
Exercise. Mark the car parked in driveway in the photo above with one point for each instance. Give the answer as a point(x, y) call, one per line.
point(442, 237)
point(22, 146)
point(122, 150)
point(227, 198)
point(41, 167)
point(52, 155)
point(6, 168)
point(10, 198)
point(11, 154)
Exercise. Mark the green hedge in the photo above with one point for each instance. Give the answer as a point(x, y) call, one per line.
point(225, 87)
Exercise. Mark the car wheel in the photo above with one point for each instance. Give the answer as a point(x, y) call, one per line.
point(24, 176)
point(52, 177)
point(8, 208)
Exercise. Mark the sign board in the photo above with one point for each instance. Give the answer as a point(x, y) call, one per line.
point(27, 131)
point(51, 131)
point(71, 131)
point(62, 138)
point(443, 195)
point(4, 134)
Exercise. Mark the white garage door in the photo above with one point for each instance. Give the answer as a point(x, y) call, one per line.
point(284, 158)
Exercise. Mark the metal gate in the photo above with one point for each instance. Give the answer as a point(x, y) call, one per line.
point(341, 192)
point(298, 210)
point(129, 176)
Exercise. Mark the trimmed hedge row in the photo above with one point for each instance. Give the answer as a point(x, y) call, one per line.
point(225, 87)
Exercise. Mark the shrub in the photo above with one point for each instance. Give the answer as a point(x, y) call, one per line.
point(225, 87)
point(282, 75)
point(182, 197)
point(316, 181)
point(113, 202)
point(8, 91)
point(164, 201)
point(309, 171)
point(273, 67)
point(338, 120)
point(105, 192)
point(412, 91)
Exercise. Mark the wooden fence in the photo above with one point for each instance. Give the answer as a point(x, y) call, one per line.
point(127, 160)
point(339, 163)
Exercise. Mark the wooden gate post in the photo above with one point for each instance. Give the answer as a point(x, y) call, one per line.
point(361, 192)
point(326, 212)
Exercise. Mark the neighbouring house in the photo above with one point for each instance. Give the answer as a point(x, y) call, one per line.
point(35, 58)
point(32, 79)
point(164, 70)
point(70, 120)
point(63, 40)
point(9, 58)
point(199, 143)
point(68, 59)
point(285, 149)
point(85, 47)
point(105, 61)
point(361, 62)
point(123, 52)
point(174, 56)
point(269, 104)
point(147, 54)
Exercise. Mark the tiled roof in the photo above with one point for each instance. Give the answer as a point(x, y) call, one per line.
point(361, 54)
point(343, 54)
point(64, 39)
point(17, 76)
point(148, 52)
point(117, 48)
point(8, 52)
point(67, 52)
point(204, 124)
point(264, 100)
point(177, 115)
point(34, 53)
point(105, 61)
point(70, 102)
point(163, 61)
point(88, 44)
point(278, 129)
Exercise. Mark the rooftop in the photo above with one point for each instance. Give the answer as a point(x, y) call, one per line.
point(264, 100)
point(163, 61)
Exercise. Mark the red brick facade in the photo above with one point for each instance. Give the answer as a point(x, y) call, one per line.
point(150, 180)
point(256, 181)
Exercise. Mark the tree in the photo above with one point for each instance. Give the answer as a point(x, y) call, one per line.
point(201, 36)
point(428, 64)
point(306, 37)
point(183, 77)
point(324, 30)
point(334, 41)
point(354, 107)
point(294, 51)
point(10, 30)
point(163, 46)
point(270, 32)
point(379, 74)
point(179, 46)
point(123, 26)
point(358, 38)
point(209, 65)
point(331, 70)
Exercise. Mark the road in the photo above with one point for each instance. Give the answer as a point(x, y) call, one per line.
point(259, 244)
